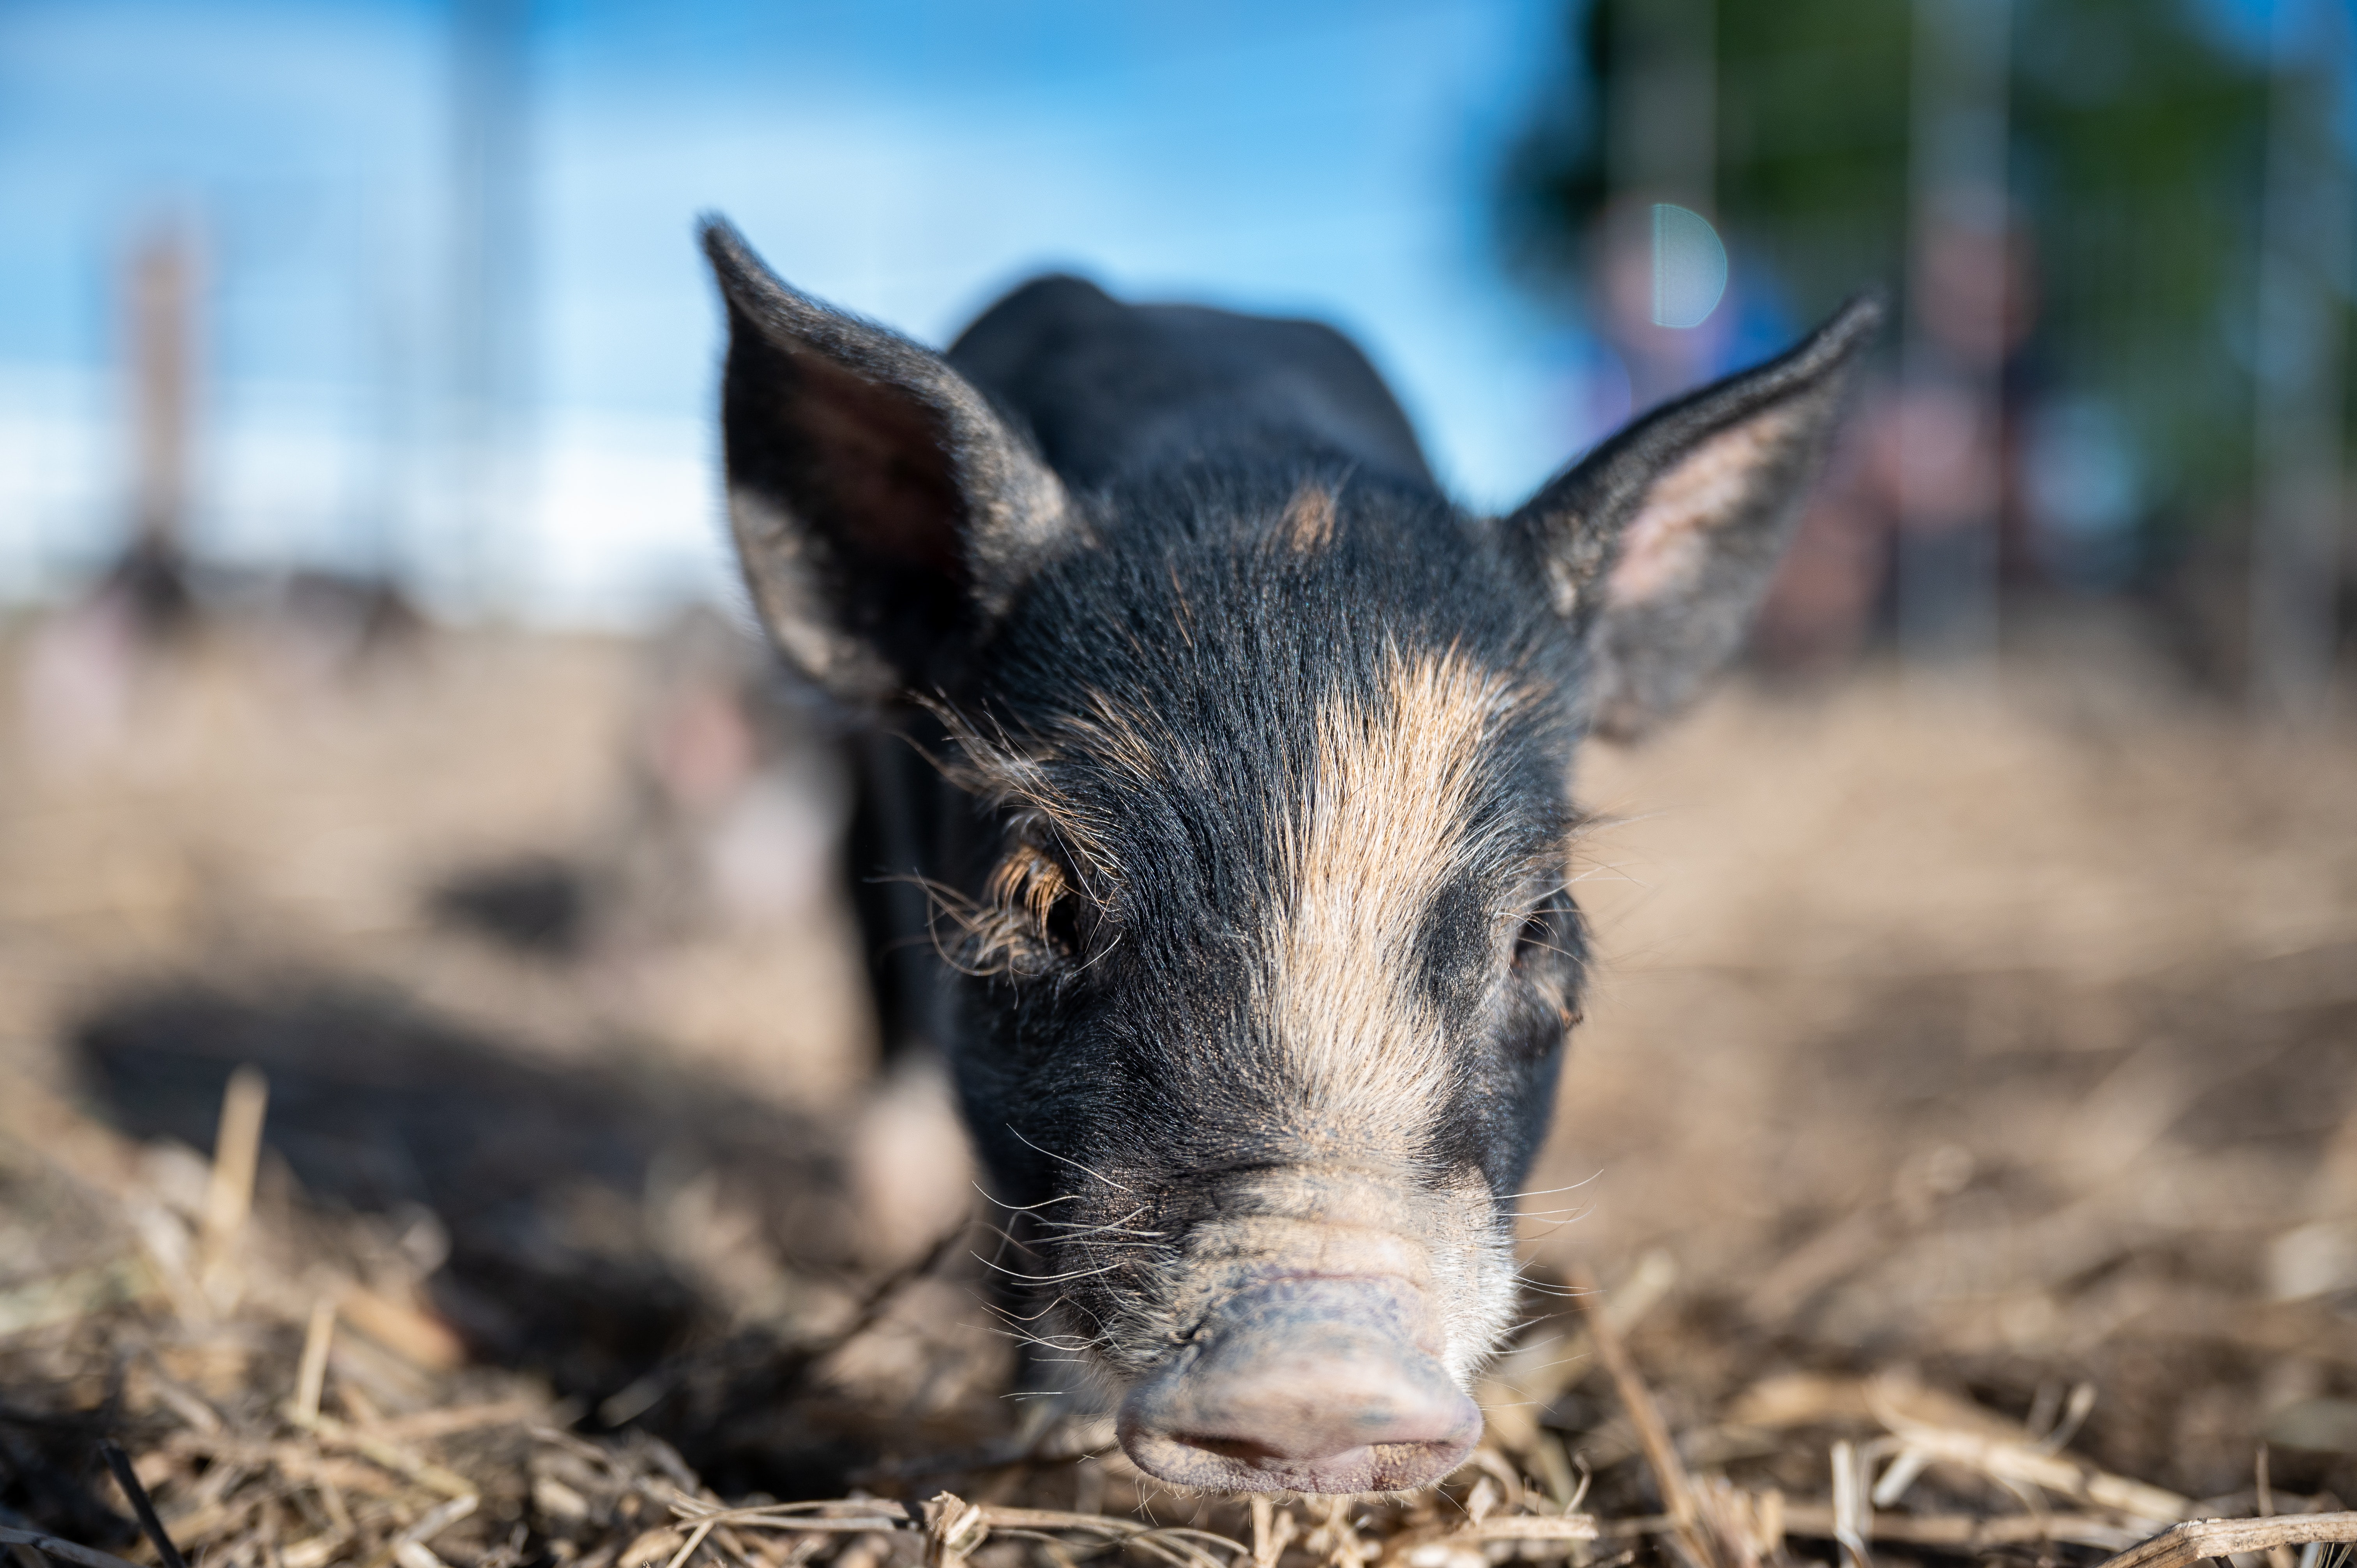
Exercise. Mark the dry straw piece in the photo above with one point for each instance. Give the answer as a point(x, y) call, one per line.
point(477, 1474)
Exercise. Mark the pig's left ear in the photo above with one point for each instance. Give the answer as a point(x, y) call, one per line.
point(1659, 545)
point(885, 512)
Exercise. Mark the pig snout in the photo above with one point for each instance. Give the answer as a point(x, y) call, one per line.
point(1305, 1385)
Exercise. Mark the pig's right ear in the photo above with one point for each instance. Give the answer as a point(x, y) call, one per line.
point(1660, 544)
point(884, 512)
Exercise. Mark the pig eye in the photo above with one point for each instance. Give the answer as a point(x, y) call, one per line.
point(1060, 921)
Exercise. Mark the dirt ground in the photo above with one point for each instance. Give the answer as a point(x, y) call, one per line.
point(1995, 1048)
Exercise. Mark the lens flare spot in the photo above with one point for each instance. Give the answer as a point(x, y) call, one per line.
point(1689, 267)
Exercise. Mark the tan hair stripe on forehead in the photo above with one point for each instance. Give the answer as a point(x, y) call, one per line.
point(1377, 830)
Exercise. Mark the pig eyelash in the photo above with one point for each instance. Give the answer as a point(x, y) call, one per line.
point(971, 952)
point(1033, 886)
point(1535, 929)
point(1035, 915)
point(1549, 947)
point(1539, 924)
point(1021, 928)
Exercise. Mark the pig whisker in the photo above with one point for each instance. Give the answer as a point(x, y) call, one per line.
point(1011, 1315)
point(1074, 1164)
point(1066, 1352)
point(1009, 1237)
point(1107, 1249)
point(1045, 1279)
point(1104, 1334)
point(1547, 1217)
point(1067, 1344)
point(1547, 1228)
point(1025, 1208)
point(1513, 1387)
point(1049, 1342)
point(1550, 1191)
point(1108, 1225)
point(1074, 1231)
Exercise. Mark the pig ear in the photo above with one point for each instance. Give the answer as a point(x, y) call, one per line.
point(1659, 545)
point(884, 512)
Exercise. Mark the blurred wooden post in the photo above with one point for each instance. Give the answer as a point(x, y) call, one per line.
point(1660, 144)
point(1953, 351)
point(1661, 103)
point(160, 306)
point(489, 298)
point(149, 577)
point(2300, 371)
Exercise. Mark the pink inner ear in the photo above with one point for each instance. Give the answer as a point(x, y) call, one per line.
point(1666, 546)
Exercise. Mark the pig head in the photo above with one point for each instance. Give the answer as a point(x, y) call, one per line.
point(1241, 796)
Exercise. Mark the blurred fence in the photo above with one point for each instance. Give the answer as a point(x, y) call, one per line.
point(2119, 231)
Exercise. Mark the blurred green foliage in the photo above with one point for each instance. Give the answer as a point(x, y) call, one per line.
point(2138, 148)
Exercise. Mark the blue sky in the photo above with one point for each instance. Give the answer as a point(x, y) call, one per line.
point(908, 160)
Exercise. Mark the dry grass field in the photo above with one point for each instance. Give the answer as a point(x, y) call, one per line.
point(1962, 1147)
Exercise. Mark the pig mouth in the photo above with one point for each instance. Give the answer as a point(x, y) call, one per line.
point(1310, 1384)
